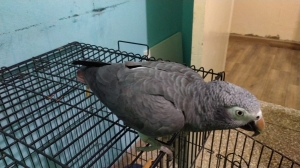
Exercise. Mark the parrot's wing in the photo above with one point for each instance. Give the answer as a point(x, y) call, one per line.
point(150, 98)
point(162, 89)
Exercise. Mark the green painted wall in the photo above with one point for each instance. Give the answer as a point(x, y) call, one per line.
point(167, 17)
point(187, 29)
point(163, 19)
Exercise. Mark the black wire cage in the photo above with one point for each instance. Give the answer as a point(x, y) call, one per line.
point(49, 119)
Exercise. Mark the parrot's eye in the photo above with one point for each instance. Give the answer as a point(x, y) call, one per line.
point(257, 117)
point(239, 113)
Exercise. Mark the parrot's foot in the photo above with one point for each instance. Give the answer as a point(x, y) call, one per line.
point(164, 148)
point(168, 151)
point(155, 145)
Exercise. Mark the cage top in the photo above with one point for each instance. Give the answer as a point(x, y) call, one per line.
point(53, 55)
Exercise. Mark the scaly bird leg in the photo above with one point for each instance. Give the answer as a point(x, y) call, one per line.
point(155, 145)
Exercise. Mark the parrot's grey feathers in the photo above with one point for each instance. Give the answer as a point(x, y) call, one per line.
point(161, 98)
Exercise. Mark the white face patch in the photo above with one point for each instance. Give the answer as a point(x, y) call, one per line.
point(259, 114)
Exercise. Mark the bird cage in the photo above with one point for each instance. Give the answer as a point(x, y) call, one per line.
point(49, 119)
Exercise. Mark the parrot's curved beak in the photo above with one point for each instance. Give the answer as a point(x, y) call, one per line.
point(256, 126)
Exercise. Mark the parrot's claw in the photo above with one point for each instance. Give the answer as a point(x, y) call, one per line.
point(168, 151)
point(171, 148)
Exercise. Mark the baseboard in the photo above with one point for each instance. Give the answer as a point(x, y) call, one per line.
point(267, 41)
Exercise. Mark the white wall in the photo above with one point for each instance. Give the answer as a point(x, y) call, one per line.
point(267, 18)
point(211, 28)
point(29, 28)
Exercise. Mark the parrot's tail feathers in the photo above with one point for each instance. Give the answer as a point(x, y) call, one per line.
point(90, 63)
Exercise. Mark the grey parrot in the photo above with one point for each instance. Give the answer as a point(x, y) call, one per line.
point(159, 98)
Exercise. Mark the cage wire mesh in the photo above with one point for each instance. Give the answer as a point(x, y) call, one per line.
point(49, 119)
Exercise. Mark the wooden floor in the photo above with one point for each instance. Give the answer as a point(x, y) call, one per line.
point(272, 74)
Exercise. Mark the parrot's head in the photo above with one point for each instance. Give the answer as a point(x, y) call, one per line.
point(238, 107)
